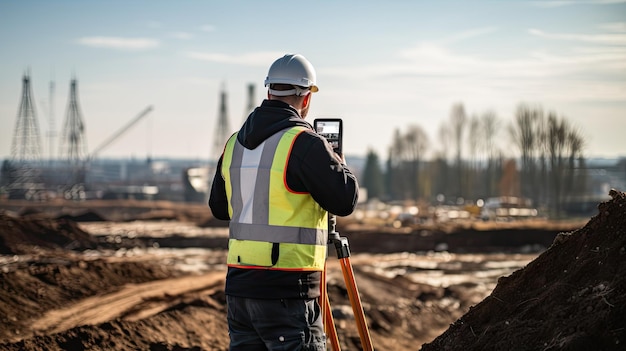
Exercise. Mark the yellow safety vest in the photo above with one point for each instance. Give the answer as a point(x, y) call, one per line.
point(271, 226)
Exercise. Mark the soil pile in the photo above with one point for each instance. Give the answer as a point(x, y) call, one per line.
point(29, 288)
point(23, 236)
point(109, 210)
point(571, 297)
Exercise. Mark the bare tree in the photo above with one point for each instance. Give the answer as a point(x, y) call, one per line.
point(576, 180)
point(445, 138)
point(556, 145)
point(440, 170)
point(416, 144)
point(577, 183)
point(407, 155)
point(541, 179)
point(396, 174)
point(490, 126)
point(458, 122)
point(474, 138)
point(524, 133)
point(550, 152)
point(565, 148)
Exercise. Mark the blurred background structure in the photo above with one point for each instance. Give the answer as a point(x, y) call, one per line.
point(469, 177)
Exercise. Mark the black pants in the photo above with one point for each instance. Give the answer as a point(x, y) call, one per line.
point(271, 325)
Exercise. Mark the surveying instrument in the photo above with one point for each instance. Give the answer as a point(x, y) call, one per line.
point(332, 130)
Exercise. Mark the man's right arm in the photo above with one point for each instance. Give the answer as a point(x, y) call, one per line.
point(218, 202)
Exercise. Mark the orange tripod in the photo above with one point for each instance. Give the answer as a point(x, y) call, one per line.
point(343, 254)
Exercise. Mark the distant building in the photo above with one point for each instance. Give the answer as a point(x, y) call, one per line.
point(602, 175)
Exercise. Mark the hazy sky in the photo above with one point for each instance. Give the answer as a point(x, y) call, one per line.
point(381, 66)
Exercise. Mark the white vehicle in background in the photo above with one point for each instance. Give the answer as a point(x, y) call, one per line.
point(507, 208)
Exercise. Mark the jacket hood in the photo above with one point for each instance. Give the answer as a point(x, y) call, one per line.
point(267, 119)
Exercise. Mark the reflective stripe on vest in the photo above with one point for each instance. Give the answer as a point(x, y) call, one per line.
point(284, 231)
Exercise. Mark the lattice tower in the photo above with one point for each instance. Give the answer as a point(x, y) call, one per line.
point(51, 123)
point(223, 131)
point(251, 102)
point(73, 145)
point(26, 144)
point(22, 175)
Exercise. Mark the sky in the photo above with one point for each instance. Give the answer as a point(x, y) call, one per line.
point(381, 66)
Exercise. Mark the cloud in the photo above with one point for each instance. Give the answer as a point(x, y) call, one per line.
point(608, 39)
point(255, 59)
point(434, 68)
point(560, 3)
point(207, 28)
point(119, 43)
point(619, 27)
point(467, 34)
point(152, 24)
point(436, 60)
point(431, 58)
point(181, 35)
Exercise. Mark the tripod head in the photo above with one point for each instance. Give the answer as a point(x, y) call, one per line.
point(340, 242)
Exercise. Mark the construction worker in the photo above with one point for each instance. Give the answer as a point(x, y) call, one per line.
point(276, 182)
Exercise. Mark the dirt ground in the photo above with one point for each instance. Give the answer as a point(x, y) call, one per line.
point(150, 277)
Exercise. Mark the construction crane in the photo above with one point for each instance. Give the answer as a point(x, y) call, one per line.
point(119, 133)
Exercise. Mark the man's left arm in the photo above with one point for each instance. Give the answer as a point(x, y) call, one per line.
point(324, 176)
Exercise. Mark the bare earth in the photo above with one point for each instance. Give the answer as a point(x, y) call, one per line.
point(97, 278)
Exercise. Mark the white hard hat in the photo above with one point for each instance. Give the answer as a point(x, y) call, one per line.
point(295, 70)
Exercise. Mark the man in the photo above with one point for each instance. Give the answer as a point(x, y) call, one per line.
point(276, 182)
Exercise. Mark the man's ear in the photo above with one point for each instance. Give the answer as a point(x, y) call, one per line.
point(306, 101)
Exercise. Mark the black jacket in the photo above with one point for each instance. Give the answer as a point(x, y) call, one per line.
point(312, 167)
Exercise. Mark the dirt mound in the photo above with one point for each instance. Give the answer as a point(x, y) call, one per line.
point(83, 216)
point(30, 288)
point(110, 210)
point(182, 324)
point(571, 297)
point(20, 236)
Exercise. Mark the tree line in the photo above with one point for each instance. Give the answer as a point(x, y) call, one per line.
point(541, 159)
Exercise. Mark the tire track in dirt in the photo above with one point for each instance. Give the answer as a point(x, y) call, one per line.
point(102, 308)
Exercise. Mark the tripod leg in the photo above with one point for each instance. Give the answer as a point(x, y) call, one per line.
point(343, 254)
point(323, 298)
point(355, 301)
point(329, 326)
point(327, 314)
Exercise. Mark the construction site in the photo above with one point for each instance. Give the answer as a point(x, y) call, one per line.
point(149, 275)
point(100, 254)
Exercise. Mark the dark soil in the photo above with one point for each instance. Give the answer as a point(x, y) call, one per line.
point(22, 236)
point(572, 297)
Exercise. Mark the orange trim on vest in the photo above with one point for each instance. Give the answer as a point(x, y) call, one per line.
point(273, 269)
point(293, 141)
